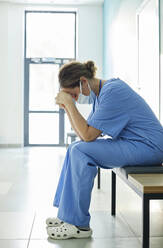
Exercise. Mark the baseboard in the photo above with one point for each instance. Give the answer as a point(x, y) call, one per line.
point(11, 145)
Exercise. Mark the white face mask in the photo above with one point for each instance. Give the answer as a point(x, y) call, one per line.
point(82, 99)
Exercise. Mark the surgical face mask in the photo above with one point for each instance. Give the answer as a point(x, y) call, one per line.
point(82, 99)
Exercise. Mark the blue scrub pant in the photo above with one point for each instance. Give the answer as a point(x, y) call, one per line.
point(76, 181)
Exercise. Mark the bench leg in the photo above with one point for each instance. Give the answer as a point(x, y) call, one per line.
point(98, 179)
point(146, 222)
point(113, 194)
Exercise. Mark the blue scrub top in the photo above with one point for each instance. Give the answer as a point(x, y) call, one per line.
point(120, 112)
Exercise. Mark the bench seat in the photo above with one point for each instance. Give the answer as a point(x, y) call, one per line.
point(147, 182)
point(139, 170)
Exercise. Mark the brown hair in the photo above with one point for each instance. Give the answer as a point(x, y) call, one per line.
point(70, 73)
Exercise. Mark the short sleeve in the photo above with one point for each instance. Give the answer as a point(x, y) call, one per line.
point(109, 115)
point(93, 96)
point(90, 115)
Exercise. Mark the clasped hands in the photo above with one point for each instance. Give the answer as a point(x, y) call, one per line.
point(63, 99)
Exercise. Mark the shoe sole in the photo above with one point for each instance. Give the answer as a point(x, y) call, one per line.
point(81, 236)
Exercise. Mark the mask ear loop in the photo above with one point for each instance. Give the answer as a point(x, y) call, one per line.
point(80, 87)
point(89, 88)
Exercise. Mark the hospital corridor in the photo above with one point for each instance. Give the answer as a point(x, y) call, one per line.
point(81, 97)
point(27, 190)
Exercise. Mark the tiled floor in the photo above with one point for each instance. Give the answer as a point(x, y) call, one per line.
point(28, 180)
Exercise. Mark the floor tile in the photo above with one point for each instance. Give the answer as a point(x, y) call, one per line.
point(86, 243)
point(31, 171)
point(106, 226)
point(134, 220)
point(15, 225)
point(116, 243)
point(31, 175)
point(155, 242)
point(102, 223)
point(39, 227)
point(71, 243)
point(13, 243)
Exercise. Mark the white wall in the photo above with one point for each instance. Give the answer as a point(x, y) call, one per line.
point(3, 69)
point(120, 46)
point(90, 35)
point(89, 45)
point(120, 40)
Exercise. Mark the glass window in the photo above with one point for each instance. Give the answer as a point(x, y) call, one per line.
point(43, 128)
point(50, 35)
point(44, 86)
point(68, 128)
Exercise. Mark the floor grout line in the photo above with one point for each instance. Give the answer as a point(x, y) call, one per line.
point(126, 222)
point(111, 238)
point(29, 239)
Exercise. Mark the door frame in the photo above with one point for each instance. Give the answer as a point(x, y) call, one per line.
point(27, 63)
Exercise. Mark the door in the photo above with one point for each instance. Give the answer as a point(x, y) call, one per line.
point(50, 41)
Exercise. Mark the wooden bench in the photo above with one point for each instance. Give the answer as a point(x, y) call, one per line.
point(147, 182)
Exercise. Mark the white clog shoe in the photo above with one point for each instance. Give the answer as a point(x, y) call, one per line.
point(53, 222)
point(67, 231)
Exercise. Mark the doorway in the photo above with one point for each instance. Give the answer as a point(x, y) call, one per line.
point(50, 42)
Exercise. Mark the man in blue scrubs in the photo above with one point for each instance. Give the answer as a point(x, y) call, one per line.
point(119, 112)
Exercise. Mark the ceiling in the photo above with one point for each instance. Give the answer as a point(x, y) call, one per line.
point(58, 2)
